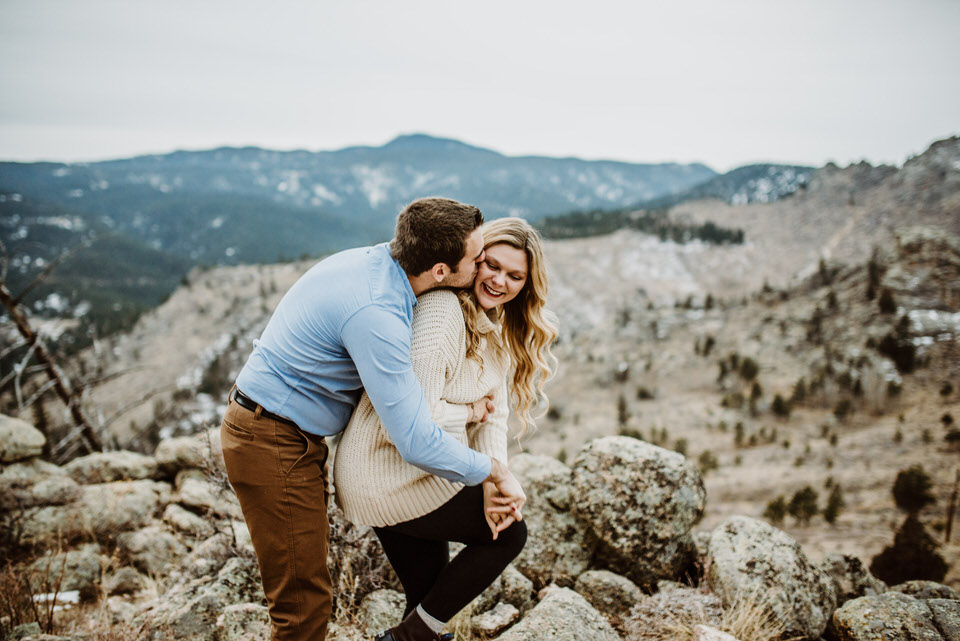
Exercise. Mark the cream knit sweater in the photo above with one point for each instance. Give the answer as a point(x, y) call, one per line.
point(374, 485)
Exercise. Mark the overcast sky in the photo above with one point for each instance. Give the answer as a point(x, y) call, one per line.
point(721, 82)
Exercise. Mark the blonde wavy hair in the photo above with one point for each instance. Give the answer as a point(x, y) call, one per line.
point(527, 326)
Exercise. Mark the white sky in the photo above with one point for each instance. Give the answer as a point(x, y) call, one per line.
point(725, 82)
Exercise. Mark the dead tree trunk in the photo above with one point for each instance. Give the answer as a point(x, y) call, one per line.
point(60, 382)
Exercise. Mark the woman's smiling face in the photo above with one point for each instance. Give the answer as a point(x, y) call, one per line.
point(501, 276)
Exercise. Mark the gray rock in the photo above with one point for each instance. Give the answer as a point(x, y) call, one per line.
point(850, 578)
point(611, 594)
point(151, 549)
point(557, 549)
point(892, 616)
point(24, 630)
point(491, 623)
point(562, 615)
point(30, 469)
point(74, 570)
point(182, 452)
point(125, 580)
point(750, 557)
point(122, 505)
point(517, 590)
point(489, 598)
point(105, 467)
point(946, 616)
point(927, 590)
point(120, 611)
point(190, 609)
point(381, 609)
point(19, 440)
point(185, 521)
point(54, 490)
point(244, 622)
point(202, 494)
point(639, 502)
point(706, 633)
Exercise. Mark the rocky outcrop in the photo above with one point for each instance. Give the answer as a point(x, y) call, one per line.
point(557, 548)
point(927, 590)
point(851, 579)
point(562, 615)
point(19, 440)
point(750, 557)
point(638, 502)
point(892, 616)
point(104, 467)
point(611, 594)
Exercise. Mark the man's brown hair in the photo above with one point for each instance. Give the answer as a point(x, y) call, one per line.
point(433, 230)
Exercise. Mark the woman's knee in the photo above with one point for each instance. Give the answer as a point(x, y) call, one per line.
point(513, 538)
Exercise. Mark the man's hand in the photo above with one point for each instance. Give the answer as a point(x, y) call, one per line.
point(480, 409)
point(510, 500)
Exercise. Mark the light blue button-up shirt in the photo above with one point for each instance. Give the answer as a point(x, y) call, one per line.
point(344, 327)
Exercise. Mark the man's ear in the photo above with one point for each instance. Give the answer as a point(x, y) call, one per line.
point(439, 272)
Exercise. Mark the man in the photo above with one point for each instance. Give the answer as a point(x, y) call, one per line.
point(343, 327)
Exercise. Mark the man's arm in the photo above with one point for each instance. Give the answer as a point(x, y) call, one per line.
point(378, 341)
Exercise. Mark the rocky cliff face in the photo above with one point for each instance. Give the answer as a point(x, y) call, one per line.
point(153, 547)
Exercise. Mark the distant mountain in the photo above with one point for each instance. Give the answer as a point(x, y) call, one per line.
point(106, 279)
point(742, 186)
point(764, 183)
point(363, 187)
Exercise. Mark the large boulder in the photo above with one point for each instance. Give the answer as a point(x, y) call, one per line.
point(33, 483)
point(562, 615)
point(104, 467)
point(151, 549)
point(638, 501)
point(182, 453)
point(557, 549)
point(74, 570)
point(201, 493)
point(191, 609)
point(104, 509)
point(926, 590)
point(749, 558)
point(183, 520)
point(511, 587)
point(892, 616)
point(19, 440)
point(850, 578)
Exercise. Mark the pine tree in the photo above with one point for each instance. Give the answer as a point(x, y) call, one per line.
point(803, 505)
point(835, 503)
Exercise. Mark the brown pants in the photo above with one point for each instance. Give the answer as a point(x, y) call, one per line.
point(280, 477)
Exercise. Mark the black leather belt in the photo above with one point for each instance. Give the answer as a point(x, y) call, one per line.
point(248, 403)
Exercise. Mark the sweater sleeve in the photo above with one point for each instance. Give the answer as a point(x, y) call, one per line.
point(490, 437)
point(379, 342)
point(437, 351)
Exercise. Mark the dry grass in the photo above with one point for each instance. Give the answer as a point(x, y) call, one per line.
point(747, 618)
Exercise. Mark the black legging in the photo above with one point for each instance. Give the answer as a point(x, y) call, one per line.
point(419, 552)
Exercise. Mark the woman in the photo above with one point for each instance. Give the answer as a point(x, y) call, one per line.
point(493, 339)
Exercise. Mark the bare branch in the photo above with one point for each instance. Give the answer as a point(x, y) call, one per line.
point(40, 392)
point(12, 348)
point(61, 384)
point(53, 264)
point(132, 404)
point(106, 378)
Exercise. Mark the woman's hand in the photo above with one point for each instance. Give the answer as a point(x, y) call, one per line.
point(499, 516)
point(480, 409)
